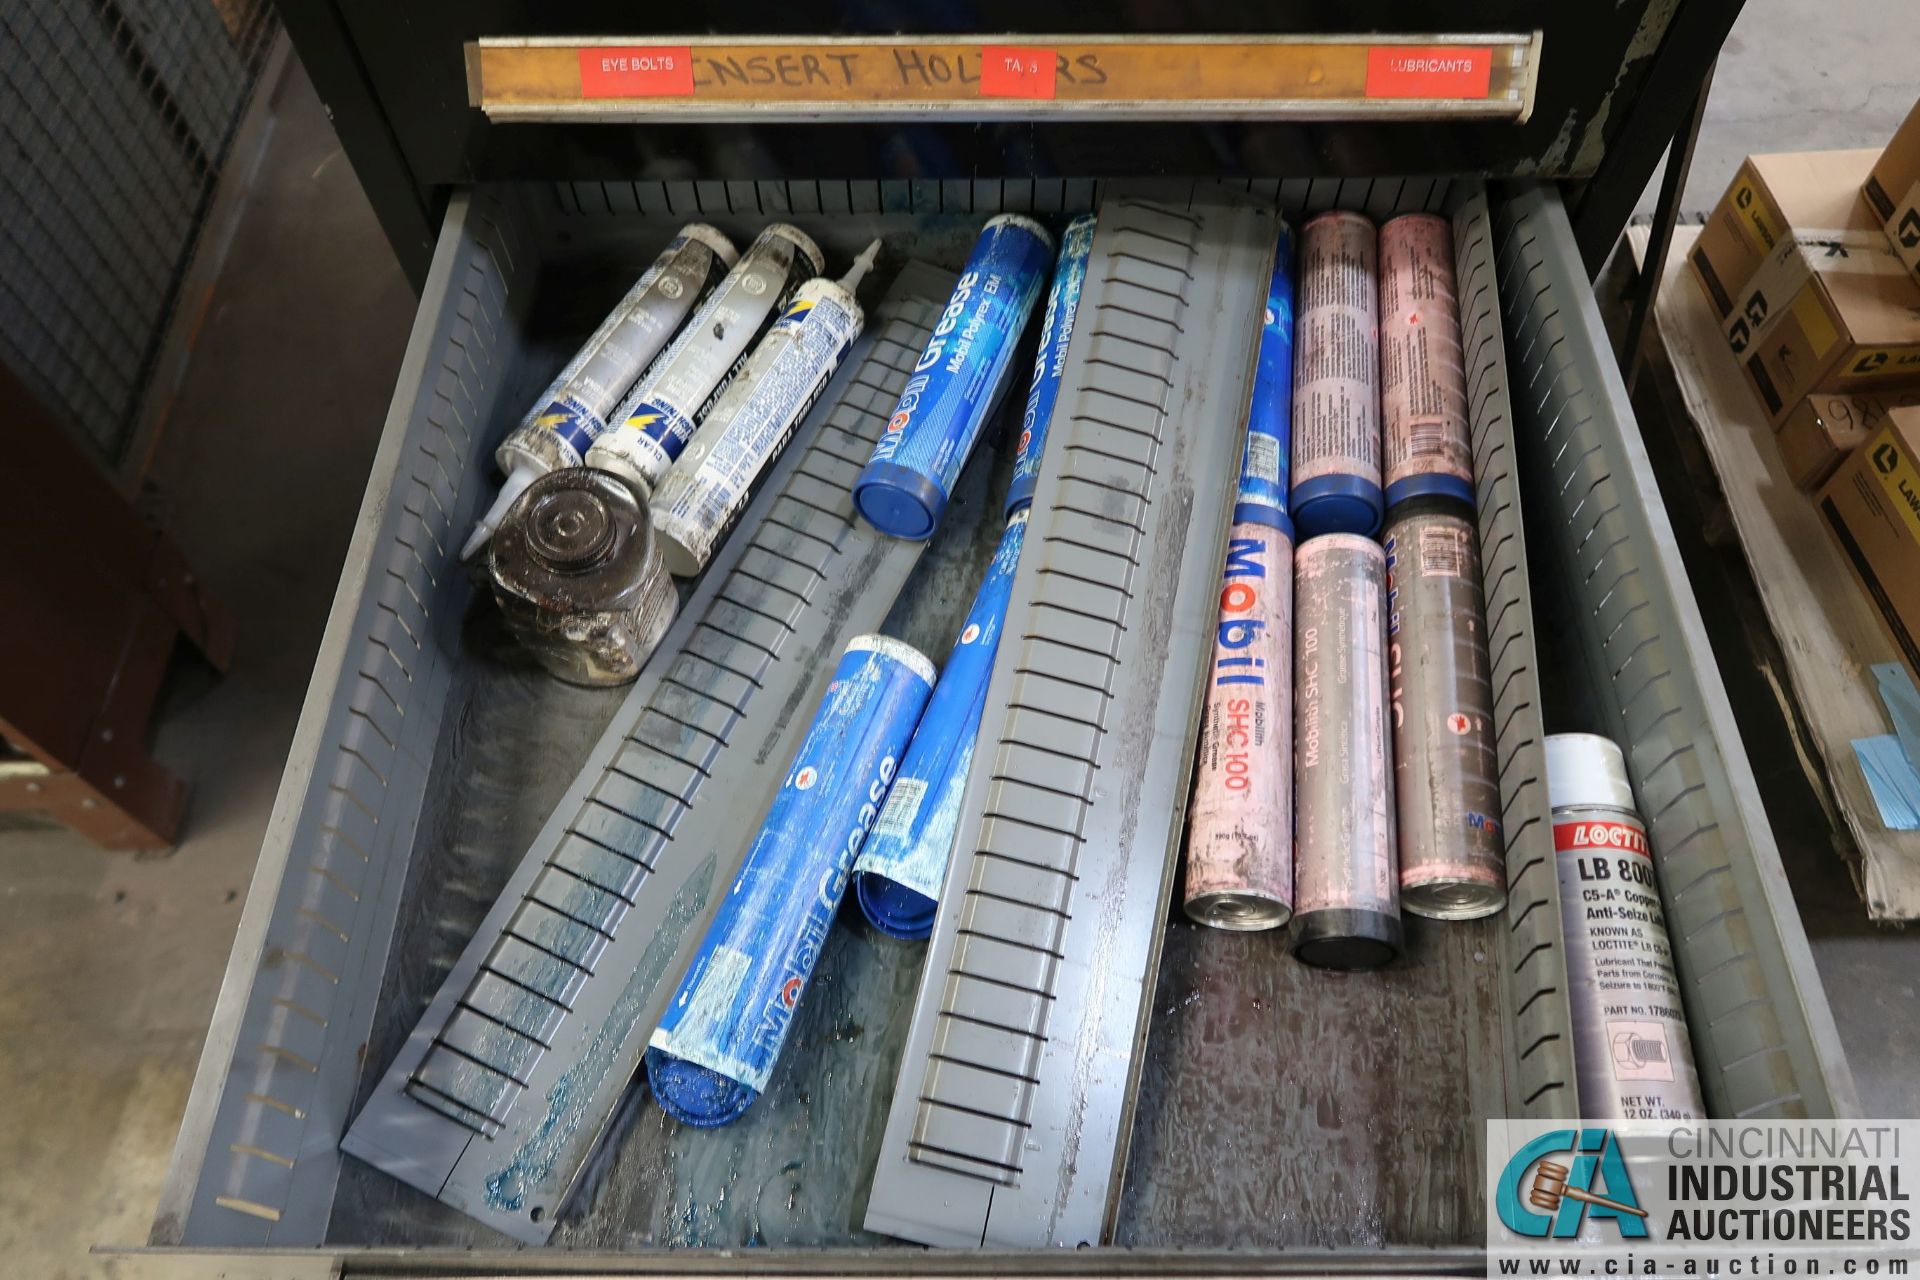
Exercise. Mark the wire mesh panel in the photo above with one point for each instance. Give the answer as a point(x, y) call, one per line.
point(115, 117)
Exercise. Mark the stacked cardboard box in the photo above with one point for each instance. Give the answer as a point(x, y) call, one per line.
point(1872, 508)
point(1823, 429)
point(1893, 191)
point(1811, 262)
point(1809, 292)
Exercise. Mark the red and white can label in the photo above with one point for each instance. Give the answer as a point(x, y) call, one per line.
point(1575, 837)
point(1631, 1047)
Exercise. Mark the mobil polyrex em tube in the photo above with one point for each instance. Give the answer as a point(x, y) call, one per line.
point(956, 381)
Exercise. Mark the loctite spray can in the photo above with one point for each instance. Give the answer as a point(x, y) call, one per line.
point(1240, 827)
point(716, 1046)
point(1423, 378)
point(652, 425)
point(577, 574)
point(904, 488)
point(1632, 1053)
point(570, 415)
point(700, 498)
point(1346, 878)
point(1050, 362)
point(1336, 379)
point(1445, 773)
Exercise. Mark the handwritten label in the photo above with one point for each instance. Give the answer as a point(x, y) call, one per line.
point(1435, 71)
point(1483, 75)
point(637, 71)
point(1016, 71)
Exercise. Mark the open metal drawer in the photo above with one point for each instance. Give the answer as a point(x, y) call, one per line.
point(1276, 1109)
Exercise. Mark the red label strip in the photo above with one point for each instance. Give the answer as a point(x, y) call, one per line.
point(1578, 837)
point(1430, 71)
point(1016, 71)
point(637, 71)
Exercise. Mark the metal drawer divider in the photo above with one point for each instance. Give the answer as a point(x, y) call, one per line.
point(256, 1161)
point(1015, 1091)
point(1763, 1037)
point(503, 1090)
point(1541, 1040)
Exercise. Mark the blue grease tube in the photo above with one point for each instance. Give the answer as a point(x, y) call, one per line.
point(716, 1047)
point(901, 867)
point(956, 382)
point(1267, 460)
point(1050, 362)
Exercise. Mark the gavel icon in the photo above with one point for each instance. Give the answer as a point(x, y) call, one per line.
point(1550, 1187)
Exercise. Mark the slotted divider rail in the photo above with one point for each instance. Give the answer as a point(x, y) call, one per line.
point(500, 1095)
point(1014, 1095)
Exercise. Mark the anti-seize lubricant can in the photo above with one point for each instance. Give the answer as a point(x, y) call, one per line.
point(1632, 1053)
point(716, 1047)
point(1346, 881)
point(1240, 827)
point(1336, 396)
point(577, 574)
point(570, 415)
point(652, 425)
point(904, 862)
point(699, 499)
point(956, 381)
point(1446, 786)
point(1056, 335)
point(1423, 379)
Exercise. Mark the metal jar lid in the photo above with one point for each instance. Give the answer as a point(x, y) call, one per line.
point(577, 540)
point(1587, 769)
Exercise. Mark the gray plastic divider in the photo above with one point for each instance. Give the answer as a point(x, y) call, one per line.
point(502, 1092)
point(1763, 1037)
point(1014, 1096)
point(1535, 963)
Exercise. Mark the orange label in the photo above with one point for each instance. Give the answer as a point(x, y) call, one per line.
point(1016, 71)
point(1431, 71)
point(637, 71)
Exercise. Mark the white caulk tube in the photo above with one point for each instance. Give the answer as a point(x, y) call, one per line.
point(572, 412)
point(699, 499)
point(652, 425)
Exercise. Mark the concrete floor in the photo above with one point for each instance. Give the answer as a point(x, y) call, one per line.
point(112, 963)
point(1801, 75)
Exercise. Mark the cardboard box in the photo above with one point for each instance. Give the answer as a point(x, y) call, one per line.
point(1810, 294)
point(1844, 322)
point(1893, 191)
point(1872, 508)
point(1770, 197)
point(1824, 428)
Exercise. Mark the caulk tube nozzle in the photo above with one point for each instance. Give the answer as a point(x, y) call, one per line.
point(516, 484)
point(861, 265)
